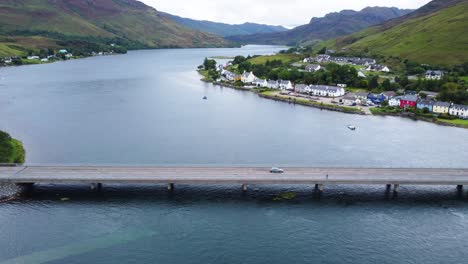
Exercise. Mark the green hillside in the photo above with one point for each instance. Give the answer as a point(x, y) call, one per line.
point(34, 24)
point(435, 38)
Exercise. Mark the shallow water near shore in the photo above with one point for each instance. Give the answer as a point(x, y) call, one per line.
point(146, 108)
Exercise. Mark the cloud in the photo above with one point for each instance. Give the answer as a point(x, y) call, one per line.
point(273, 12)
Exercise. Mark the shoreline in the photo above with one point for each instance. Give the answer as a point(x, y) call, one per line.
point(333, 107)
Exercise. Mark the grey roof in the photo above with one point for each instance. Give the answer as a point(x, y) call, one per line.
point(429, 93)
point(325, 88)
point(460, 107)
point(435, 73)
point(408, 97)
point(425, 102)
point(442, 104)
point(362, 94)
point(301, 86)
point(350, 96)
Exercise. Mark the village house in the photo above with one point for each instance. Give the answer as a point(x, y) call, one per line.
point(350, 99)
point(44, 60)
point(425, 103)
point(285, 85)
point(434, 75)
point(321, 58)
point(363, 61)
point(33, 57)
point(408, 101)
point(312, 67)
point(260, 83)
point(362, 95)
point(441, 107)
point(272, 84)
point(389, 94)
point(342, 85)
point(376, 98)
point(459, 110)
point(377, 67)
point(301, 88)
point(248, 77)
point(327, 91)
point(8, 60)
point(395, 101)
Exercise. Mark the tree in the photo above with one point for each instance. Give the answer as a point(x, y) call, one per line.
point(386, 85)
point(239, 59)
point(209, 64)
point(322, 51)
point(374, 82)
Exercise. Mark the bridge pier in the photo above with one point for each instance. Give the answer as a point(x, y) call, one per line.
point(96, 186)
point(170, 187)
point(320, 187)
point(388, 187)
point(245, 187)
point(396, 188)
point(460, 188)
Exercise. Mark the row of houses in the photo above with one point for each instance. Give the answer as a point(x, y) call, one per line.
point(433, 106)
point(371, 64)
point(320, 90)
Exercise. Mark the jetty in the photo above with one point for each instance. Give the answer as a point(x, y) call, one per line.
point(242, 176)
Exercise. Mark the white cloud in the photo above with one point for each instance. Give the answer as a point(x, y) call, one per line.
point(274, 12)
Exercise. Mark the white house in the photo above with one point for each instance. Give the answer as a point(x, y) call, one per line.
point(272, 84)
point(379, 68)
point(322, 58)
point(8, 60)
point(248, 77)
point(286, 85)
point(459, 110)
point(44, 60)
point(434, 75)
point(69, 55)
point(328, 91)
point(301, 88)
point(260, 83)
point(395, 101)
point(312, 67)
point(33, 57)
point(342, 85)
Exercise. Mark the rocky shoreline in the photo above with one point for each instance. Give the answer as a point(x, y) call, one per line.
point(9, 191)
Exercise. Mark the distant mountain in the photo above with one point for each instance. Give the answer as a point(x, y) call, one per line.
point(330, 26)
point(225, 30)
point(435, 34)
point(47, 23)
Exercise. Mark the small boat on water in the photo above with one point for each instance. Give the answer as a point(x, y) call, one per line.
point(205, 98)
point(351, 127)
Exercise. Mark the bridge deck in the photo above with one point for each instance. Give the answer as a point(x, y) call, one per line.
point(232, 175)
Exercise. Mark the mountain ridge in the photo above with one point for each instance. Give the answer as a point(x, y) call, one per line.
point(331, 25)
point(224, 29)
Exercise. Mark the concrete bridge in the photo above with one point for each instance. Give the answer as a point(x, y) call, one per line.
point(243, 176)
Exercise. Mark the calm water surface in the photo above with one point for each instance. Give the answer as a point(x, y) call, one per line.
point(146, 108)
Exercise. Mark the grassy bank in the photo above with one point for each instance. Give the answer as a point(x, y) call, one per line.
point(11, 150)
point(394, 111)
point(306, 102)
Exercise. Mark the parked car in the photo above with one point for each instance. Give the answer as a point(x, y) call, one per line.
point(276, 170)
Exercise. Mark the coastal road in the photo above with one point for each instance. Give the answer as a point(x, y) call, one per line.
point(232, 175)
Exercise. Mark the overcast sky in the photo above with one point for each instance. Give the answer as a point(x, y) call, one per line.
point(274, 12)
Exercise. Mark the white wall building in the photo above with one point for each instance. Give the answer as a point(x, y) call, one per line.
point(248, 77)
point(326, 91)
point(395, 101)
point(459, 110)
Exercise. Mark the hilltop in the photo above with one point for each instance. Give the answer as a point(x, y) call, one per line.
point(433, 34)
point(330, 26)
point(36, 24)
point(223, 29)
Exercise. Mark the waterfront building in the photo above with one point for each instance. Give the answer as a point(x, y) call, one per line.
point(395, 101)
point(301, 88)
point(425, 103)
point(285, 85)
point(327, 91)
point(441, 107)
point(459, 110)
point(260, 83)
point(408, 101)
point(272, 84)
point(248, 77)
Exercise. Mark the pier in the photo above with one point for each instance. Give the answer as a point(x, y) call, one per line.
point(242, 176)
